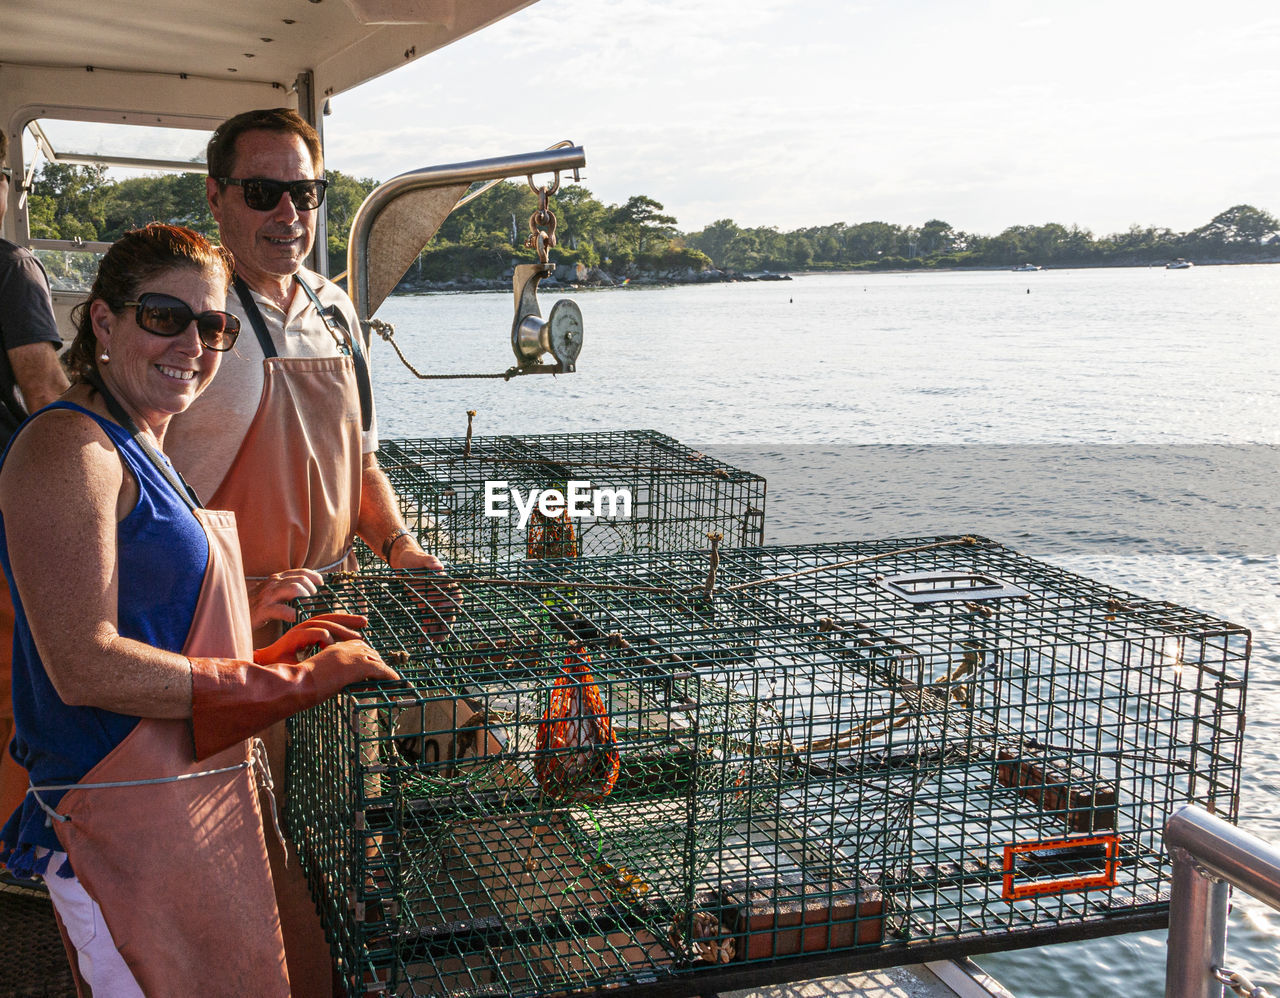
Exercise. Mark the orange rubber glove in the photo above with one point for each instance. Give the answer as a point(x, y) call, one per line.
point(232, 699)
point(323, 630)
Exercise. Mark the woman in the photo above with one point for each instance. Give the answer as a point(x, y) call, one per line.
point(135, 684)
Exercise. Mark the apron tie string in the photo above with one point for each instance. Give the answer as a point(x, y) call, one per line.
point(258, 758)
point(323, 569)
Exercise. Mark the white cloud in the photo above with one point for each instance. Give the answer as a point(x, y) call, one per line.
point(812, 111)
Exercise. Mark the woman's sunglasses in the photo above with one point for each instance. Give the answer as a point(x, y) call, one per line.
point(261, 194)
point(166, 315)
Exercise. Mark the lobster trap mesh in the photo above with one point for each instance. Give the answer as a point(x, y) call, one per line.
point(867, 747)
point(640, 491)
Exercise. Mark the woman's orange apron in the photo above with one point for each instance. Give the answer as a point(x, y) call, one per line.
point(13, 778)
point(295, 487)
point(179, 867)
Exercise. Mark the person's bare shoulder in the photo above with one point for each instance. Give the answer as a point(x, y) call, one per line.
point(60, 455)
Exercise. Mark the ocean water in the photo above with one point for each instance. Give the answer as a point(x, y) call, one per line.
point(1124, 424)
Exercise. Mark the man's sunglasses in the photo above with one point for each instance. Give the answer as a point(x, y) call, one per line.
point(166, 315)
point(6, 172)
point(261, 194)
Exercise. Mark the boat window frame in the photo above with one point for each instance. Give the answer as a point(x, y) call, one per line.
point(26, 123)
point(29, 144)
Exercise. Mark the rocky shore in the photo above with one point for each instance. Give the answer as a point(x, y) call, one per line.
point(571, 275)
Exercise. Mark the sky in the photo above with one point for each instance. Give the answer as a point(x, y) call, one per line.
point(982, 113)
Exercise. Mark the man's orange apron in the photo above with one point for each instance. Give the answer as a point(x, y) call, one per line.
point(179, 866)
point(295, 481)
point(295, 488)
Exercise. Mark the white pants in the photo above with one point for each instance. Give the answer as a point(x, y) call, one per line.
point(100, 962)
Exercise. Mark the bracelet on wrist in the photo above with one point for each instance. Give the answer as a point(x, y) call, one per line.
point(389, 544)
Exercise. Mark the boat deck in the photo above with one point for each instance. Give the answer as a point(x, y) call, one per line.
point(940, 979)
point(41, 968)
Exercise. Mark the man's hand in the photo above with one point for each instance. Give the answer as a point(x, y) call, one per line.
point(269, 598)
point(419, 559)
point(439, 602)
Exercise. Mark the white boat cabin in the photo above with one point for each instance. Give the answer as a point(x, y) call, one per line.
point(140, 84)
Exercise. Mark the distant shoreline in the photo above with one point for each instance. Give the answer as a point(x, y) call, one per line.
point(503, 285)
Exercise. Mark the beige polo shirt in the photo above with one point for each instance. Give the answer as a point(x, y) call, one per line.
point(203, 441)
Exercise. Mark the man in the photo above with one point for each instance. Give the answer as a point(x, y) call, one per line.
point(30, 378)
point(251, 157)
point(285, 434)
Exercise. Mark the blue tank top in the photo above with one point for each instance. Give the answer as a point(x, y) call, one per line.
point(162, 553)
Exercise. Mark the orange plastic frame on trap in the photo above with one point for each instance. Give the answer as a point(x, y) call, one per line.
point(1061, 885)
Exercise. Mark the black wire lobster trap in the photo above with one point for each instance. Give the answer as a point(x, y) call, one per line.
point(636, 490)
point(667, 768)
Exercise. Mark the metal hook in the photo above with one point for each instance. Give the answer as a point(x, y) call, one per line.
point(544, 192)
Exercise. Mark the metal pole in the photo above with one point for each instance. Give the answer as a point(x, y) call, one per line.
point(1197, 931)
point(1225, 851)
point(524, 164)
point(309, 109)
point(1209, 855)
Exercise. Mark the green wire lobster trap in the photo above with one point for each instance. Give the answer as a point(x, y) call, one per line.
point(662, 769)
point(639, 490)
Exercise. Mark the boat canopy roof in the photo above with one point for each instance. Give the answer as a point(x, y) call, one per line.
point(152, 78)
point(192, 63)
point(251, 43)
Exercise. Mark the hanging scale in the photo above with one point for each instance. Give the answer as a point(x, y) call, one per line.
point(560, 333)
point(532, 336)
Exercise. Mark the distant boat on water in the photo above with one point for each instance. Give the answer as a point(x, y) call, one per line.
point(1026, 267)
point(1179, 264)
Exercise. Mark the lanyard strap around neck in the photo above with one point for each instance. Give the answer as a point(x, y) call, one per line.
point(185, 492)
point(255, 317)
point(336, 323)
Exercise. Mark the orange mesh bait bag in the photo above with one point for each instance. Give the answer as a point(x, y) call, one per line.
point(551, 536)
point(577, 753)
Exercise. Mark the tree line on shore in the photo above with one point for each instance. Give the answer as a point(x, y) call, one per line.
point(483, 239)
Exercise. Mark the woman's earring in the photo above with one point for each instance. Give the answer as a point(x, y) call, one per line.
point(104, 357)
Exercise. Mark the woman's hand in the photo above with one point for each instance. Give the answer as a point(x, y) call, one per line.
point(269, 598)
point(344, 663)
point(323, 630)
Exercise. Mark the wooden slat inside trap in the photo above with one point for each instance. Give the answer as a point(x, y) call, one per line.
point(785, 890)
point(543, 904)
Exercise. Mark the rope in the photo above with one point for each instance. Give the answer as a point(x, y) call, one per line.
point(506, 375)
point(471, 415)
point(444, 581)
point(258, 747)
point(846, 564)
point(710, 589)
point(1240, 984)
point(575, 465)
point(447, 580)
point(388, 331)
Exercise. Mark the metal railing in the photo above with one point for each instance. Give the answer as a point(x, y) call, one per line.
point(1209, 856)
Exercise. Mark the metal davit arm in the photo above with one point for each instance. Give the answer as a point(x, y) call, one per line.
point(1210, 854)
point(368, 295)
